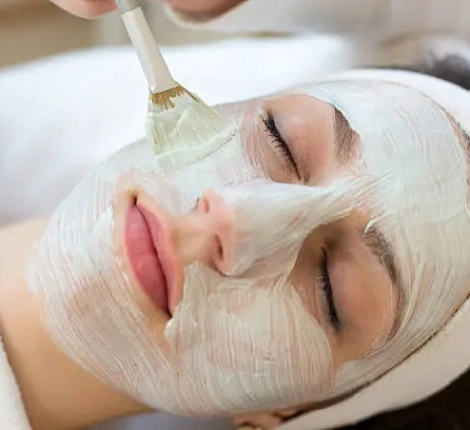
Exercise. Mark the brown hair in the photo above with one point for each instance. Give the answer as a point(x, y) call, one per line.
point(446, 410)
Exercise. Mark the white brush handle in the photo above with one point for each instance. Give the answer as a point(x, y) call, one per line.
point(158, 75)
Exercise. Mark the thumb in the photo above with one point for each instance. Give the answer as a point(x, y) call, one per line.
point(203, 7)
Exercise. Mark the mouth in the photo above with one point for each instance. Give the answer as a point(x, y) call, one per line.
point(143, 235)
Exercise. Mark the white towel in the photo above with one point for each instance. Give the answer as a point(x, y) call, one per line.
point(12, 412)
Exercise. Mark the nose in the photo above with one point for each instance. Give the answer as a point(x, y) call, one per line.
point(206, 233)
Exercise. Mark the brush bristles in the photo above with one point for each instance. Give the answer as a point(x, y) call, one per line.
point(166, 99)
point(183, 126)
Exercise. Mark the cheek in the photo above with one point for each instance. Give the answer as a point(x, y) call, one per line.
point(261, 330)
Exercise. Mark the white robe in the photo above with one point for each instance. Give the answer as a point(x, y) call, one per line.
point(12, 415)
point(377, 20)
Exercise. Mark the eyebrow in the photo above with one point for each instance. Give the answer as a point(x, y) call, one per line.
point(382, 250)
point(346, 144)
point(466, 141)
point(346, 139)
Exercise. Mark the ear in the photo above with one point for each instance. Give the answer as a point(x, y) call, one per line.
point(263, 420)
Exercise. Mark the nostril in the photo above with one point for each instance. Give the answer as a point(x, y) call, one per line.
point(220, 250)
point(202, 205)
point(222, 258)
point(218, 221)
point(225, 237)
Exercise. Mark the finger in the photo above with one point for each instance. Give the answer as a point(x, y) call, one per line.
point(287, 412)
point(210, 7)
point(250, 427)
point(86, 8)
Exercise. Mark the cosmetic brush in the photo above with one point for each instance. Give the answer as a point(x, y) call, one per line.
point(176, 117)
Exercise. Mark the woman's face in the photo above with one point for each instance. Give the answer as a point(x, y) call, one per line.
point(346, 284)
point(221, 287)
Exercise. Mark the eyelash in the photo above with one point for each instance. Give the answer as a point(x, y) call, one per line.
point(280, 143)
point(327, 291)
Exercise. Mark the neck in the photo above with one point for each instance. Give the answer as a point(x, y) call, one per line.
point(57, 393)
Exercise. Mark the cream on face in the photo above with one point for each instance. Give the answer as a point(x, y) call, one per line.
point(249, 329)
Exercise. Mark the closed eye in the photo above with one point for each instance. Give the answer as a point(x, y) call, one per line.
point(327, 292)
point(281, 145)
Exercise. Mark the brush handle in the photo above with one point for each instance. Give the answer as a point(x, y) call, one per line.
point(156, 71)
point(126, 5)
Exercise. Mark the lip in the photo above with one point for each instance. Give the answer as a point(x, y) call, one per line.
point(143, 235)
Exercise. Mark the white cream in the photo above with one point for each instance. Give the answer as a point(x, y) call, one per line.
point(269, 352)
point(186, 131)
point(89, 308)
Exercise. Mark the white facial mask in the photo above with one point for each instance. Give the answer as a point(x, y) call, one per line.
point(228, 332)
point(244, 338)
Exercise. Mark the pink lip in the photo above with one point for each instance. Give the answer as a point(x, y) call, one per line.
point(142, 238)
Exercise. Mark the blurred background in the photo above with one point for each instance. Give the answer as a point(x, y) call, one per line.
point(30, 29)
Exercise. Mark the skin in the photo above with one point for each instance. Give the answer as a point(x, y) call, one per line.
point(86, 8)
point(96, 8)
point(204, 7)
point(308, 126)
